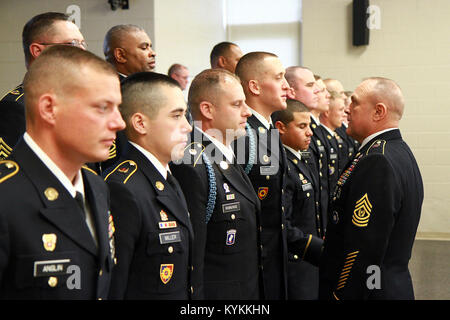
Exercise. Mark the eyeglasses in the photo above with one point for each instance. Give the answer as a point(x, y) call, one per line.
point(74, 43)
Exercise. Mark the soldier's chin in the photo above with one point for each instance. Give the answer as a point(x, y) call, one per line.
point(177, 151)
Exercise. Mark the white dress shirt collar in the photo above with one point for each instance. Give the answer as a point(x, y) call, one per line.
point(158, 165)
point(366, 140)
point(262, 119)
point(226, 150)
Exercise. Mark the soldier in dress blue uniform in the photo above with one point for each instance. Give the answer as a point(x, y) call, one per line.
point(307, 90)
point(376, 204)
point(329, 121)
point(35, 38)
point(153, 231)
point(129, 49)
point(56, 230)
point(225, 211)
point(264, 161)
point(304, 240)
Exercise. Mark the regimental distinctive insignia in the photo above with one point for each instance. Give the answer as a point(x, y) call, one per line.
point(49, 241)
point(163, 215)
point(123, 170)
point(165, 272)
point(262, 192)
point(231, 237)
point(226, 187)
point(362, 211)
point(51, 194)
point(112, 150)
point(159, 185)
point(5, 150)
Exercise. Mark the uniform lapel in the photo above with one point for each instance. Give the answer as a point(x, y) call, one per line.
point(165, 194)
point(98, 202)
point(59, 207)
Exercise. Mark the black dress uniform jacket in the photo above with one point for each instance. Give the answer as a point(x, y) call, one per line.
point(266, 159)
point(43, 233)
point(319, 167)
point(349, 147)
point(12, 120)
point(374, 217)
point(153, 232)
point(332, 148)
point(227, 255)
point(304, 241)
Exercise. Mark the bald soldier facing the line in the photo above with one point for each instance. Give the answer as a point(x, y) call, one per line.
point(375, 209)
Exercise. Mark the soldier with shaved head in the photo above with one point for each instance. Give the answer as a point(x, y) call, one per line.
point(58, 217)
point(264, 160)
point(376, 205)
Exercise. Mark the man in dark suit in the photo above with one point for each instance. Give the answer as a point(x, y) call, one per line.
point(153, 231)
point(39, 32)
point(303, 232)
point(376, 204)
point(313, 95)
point(264, 161)
point(56, 229)
point(129, 49)
point(224, 209)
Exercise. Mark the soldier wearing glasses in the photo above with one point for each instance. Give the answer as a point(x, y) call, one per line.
point(39, 32)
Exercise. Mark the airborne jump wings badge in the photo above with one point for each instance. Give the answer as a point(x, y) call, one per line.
point(362, 211)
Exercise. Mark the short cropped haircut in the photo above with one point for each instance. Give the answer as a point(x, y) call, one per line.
point(115, 36)
point(290, 74)
point(37, 26)
point(248, 67)
point(141, 93)
point(206, 86)
point(175, 68)
point(220, 49)
point(56, 70)
point(287, 115)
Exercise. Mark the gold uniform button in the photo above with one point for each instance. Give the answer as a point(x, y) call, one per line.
point(52, 281)
point(295, 257)
point(100, 273)
point(192, 289)
point(233, 216)
point(170, 249)
point(99, 299)
point(267, 177)
point(115, 260)
point(307, 194)
point(282, 226)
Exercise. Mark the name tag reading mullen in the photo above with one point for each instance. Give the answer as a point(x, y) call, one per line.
point(167, 224)
point(169, 237)
point(231, 207)
point(267, 170)
point(50, 267)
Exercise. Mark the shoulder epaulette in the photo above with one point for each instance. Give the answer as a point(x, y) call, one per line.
point(15, 94)
point(8, 169)
point(89, 169)
point(124, 170)
point(376, 147)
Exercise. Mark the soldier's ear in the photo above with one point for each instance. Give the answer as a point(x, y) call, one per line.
point(253, 87)
point(120, 55)
point(281, 127)
point(36, 49)
point(380, 112)
point(206, 109)
point(47, 108)
point(222, 62)
point(139, 123)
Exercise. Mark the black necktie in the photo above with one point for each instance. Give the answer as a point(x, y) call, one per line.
point(174, 184)
point(80, 201)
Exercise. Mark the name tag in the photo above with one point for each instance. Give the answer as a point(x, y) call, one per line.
point(333, 156)
point(231, 207)
point(169, 237)
point(50, 267)
point(268, 170)
point(321, 149)
point(307, 186)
